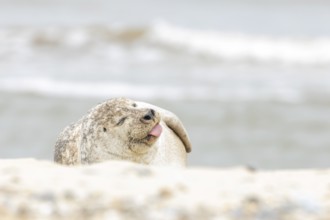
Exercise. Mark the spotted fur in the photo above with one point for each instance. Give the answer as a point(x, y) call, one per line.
point(116, 130)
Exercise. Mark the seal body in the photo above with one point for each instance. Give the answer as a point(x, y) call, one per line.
point(123, 129)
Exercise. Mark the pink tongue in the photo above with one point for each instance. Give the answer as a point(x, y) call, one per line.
point(156, 131)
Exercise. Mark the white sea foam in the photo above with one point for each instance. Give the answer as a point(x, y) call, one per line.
point(48, 87)
point(104, 90)
point(243, 47)
point(227, 47)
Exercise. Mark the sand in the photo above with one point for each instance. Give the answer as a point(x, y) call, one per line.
point(32, 189)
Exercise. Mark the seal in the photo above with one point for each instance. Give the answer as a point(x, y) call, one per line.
point(123, 129)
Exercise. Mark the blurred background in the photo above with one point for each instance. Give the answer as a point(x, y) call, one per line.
point(249, 79)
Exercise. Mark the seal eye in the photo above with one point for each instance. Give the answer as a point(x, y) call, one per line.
point(134, 105)
point(121, 121)
point(105, 129)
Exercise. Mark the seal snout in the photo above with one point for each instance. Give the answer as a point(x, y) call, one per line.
point(149, 117)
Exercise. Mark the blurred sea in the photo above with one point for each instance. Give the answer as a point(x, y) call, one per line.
point(249, 79)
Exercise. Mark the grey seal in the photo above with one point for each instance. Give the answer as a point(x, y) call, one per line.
point(123, 129)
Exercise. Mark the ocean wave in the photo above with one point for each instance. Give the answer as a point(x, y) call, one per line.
point(170, 39)
point(49, 87)
point(105, 90)
point(235, 47)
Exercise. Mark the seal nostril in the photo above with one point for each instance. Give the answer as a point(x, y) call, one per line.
point(147, 117)
point(150, 115)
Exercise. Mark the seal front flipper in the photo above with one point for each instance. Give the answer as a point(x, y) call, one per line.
point(174, 123)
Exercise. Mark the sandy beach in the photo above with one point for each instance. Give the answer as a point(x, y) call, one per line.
point(32, 189)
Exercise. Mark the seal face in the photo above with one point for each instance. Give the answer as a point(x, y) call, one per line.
point(116, 129)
